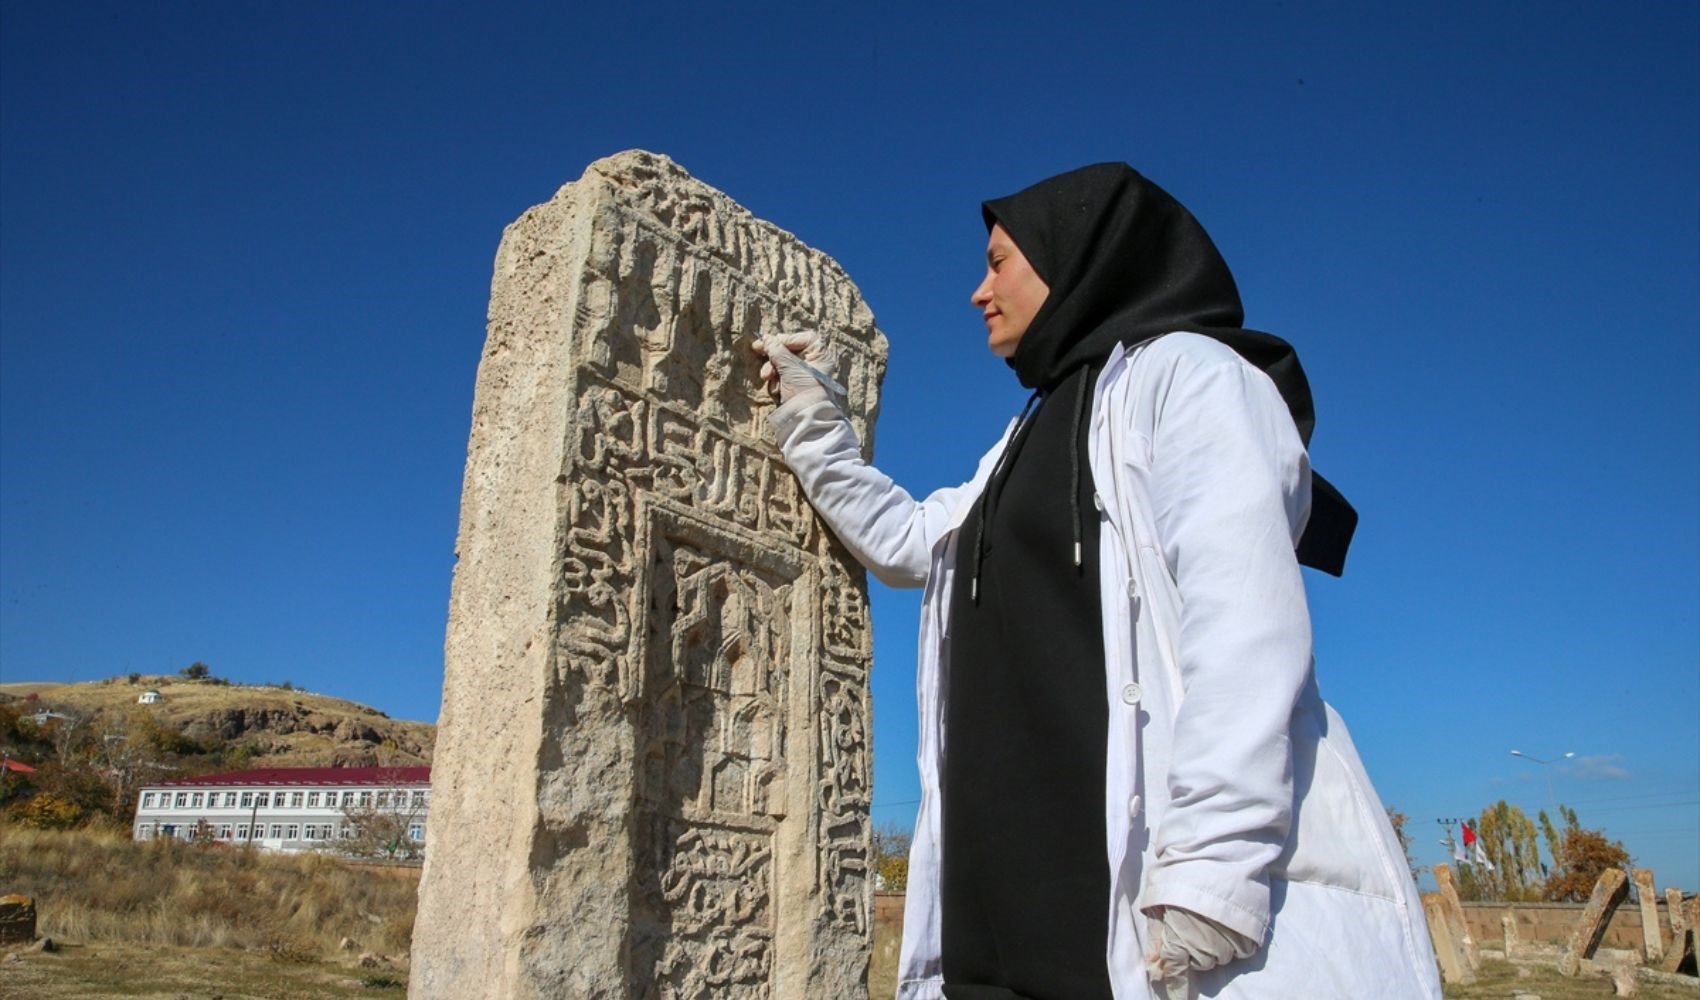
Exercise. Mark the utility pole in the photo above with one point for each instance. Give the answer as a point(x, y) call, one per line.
point(1452, 851)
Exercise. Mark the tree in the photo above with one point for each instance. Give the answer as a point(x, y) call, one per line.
point(380, 824)
point(891, 857)
point(196, 671)
point(1399, 819)
point(1508, 838)
point(1582, 856)
point(1552, 838)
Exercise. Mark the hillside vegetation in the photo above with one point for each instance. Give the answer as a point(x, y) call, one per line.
point(88, 747)
point(269, 726)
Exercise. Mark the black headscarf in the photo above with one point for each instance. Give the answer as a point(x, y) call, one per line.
point(1127, 263)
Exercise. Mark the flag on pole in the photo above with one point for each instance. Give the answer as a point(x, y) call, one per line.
point(1474, 843)
point(1458, 854)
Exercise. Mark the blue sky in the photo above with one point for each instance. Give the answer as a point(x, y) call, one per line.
point(245, 253)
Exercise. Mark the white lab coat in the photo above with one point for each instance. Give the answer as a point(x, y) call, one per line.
point(1231, 788)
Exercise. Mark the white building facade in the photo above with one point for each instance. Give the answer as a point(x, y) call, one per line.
point(288, 809)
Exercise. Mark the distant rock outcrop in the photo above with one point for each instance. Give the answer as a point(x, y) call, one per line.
point(268, 726)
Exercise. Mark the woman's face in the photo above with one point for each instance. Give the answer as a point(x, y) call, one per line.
point(1009, 296)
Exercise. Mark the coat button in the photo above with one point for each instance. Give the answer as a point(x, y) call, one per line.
point(1097, 501)
point(1133, 805)
point(1130, 694)
point(1132, 589)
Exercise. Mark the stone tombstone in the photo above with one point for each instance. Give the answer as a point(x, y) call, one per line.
point(17, 918)
point(652, 769)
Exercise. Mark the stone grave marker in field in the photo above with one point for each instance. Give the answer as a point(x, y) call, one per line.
point(652, 769)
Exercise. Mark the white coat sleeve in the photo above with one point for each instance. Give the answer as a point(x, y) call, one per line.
point(1230, 484)
point(886, 529)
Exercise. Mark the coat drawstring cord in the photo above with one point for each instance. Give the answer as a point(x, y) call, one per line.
point(1074, 466)
point(985, 496)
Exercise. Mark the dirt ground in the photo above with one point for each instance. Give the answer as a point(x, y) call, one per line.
point(1498, 980)
point(103, 971)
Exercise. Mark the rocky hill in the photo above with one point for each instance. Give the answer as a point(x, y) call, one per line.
point(267, 726)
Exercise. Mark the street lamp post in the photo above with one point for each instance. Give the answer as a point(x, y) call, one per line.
point(1552, 801)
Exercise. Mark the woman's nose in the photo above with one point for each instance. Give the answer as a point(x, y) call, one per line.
point(983, 294)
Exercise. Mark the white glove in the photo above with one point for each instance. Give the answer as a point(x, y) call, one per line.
point(797, 366)
point(1182, 941)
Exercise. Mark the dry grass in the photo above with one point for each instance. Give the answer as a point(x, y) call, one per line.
point(1496, 980)
point(112, 971)
point(290, 727)
point(99, 887)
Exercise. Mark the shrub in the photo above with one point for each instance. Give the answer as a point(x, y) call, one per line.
point(48, 811)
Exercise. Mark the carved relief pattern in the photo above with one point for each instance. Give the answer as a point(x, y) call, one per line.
point(843, 801)
point(712, 734)
point(697, 584)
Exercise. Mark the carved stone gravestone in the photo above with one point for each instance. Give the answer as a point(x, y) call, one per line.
point(652, 766)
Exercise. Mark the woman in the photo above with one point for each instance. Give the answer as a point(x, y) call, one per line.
point(1130, 784)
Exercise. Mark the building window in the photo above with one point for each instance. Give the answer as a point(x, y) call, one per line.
point(418, 799)
point(294, 832)
point(242, 831)
point(277, 831)
point(224, 831)
point(347, 833)
point(147, 800)
point(365, 798)
point(167, 830)
point(230, 800)
point(247, 799)
point(295, 800)
point(196, 800)
point(416, 832)
point(262, 799)
point(383, 799)
point(312, 800)
point(182, 800)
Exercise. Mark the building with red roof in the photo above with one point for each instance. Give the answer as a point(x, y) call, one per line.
point(290, 809)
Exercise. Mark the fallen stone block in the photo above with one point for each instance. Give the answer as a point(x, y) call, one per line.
point(1609, 892)
point(17, 919)
point(1681, 946)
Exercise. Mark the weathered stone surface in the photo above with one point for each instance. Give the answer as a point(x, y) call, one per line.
point(1609, 892)
point(17, 919)
point(1455, 966)
point(1454, 910)
point(1674, 911)
point(1623, 981)
point(1652, 940)
point(1681, 946)
point(652, 768)
point(1508, 923)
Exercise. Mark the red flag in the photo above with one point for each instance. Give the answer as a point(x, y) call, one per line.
point(1469, 835)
